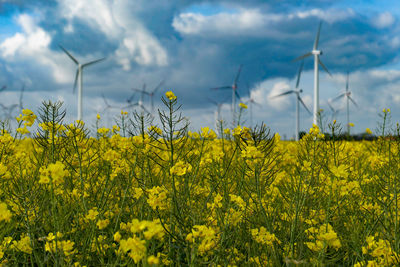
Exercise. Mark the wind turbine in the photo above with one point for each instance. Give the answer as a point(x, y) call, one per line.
point(297, 91)
point(317, 62)
point(347, 94)
point(142, 93)
point(235, 94)
point(78, 78)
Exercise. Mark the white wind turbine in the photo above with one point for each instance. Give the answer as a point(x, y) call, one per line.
point(297, 91)
point(78, 78)
point(317, 62)
point(142, 93)
point(347, 94)
point(235, 93)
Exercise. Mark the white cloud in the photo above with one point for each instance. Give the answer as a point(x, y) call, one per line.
point(264, 91)
point(115, 20)
point(383, 20)
point(33, 43)
point(247, 22)
point(329, 15)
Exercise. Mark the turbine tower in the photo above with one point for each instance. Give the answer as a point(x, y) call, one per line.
point(235, 94)
point(21, 96)
point(251, 102)
point(78, 78)
point(217, 113)
point(317, 62)
point(297, 91)
point(347, 94)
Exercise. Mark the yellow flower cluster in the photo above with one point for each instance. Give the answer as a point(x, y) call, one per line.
point(54, 173)
point(323, 237)
point(315, 132)
point(264, 237)
point(5, 214)
point(170, 197)
point(243, 106)
point(206, 238)
point(208, 133)
point(180, 168)
point(55, 245)
point(170, 95)
point(381, 251)
point(157, 198)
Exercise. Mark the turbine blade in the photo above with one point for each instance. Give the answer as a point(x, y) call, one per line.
point(141, 91)
point(93, 62)
point(68, 54)
point(285, 93)
point(299, 74)
point(212, 101)
point(302, 57)
point(304, 105)
point(76, 81)
point(158, 86)
point(105, 100)
point(237, 94)
point(317, 37)
point(323, 66)
point(145, 109)
point(238, 74)
point(338, 97)
point(129, 100)
point(222, 87)
point(21, 95)
point(347, 82)
point(352, 100)
point(330, 106)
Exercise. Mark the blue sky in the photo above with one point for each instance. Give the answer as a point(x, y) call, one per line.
point(196, 45)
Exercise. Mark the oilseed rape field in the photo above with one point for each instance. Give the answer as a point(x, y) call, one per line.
point(148, 195)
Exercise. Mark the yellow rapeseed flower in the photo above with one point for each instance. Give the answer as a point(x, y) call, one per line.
point(242, 105)
point(368, 131)
point(5, 214)
point(170, 95)
point(153, 260)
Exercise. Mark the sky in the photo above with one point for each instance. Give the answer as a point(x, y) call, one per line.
point(196, 45)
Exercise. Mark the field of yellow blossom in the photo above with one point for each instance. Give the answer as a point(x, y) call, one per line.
point(147, 195)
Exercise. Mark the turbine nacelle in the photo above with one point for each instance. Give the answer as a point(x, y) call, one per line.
point(316, 52)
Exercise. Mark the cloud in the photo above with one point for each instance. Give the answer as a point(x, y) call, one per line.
point(383, 20)
point(248, 22)
point(114, 19)
point(33, 44)
point(330, 15)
